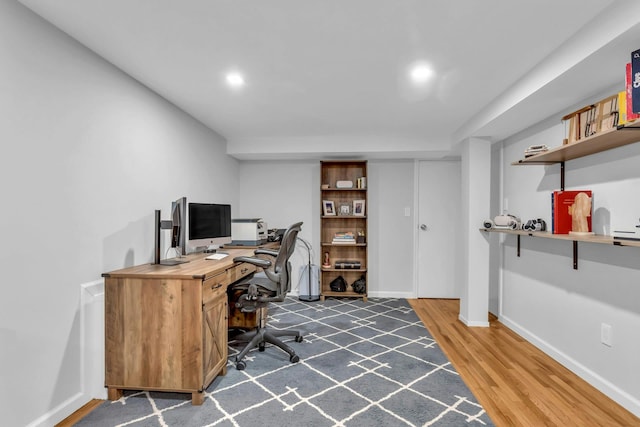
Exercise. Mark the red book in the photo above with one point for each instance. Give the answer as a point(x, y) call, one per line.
point(631, 116)
point(571, 208)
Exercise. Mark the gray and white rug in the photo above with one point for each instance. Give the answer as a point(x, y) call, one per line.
point(362, 364)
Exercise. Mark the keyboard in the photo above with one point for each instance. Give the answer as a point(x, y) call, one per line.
point(217, 256)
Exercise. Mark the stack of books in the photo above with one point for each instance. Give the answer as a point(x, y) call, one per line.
point(344, 238)
point(535, 149)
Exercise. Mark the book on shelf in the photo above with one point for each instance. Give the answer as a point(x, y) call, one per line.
point(535, 149)
point(609, 115)
point(635, 81)
point(622, 107)
point(629, 82)
point(344, 237)
point(344, 242)
point(571, 211)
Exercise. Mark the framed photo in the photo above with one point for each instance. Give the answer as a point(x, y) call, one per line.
point(358, 207)
point(345, 209)
point(328, 208)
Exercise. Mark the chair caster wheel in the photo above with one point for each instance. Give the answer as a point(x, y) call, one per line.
point(240, 365)
point(261, 347)
point(294, 359)
point(299, 338)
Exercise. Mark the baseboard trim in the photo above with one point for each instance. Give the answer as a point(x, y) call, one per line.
point(60, 412)
point(608, 388)
point(402, 295)
point(474, 324)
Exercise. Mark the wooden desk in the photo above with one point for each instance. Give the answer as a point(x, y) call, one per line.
point(268, 245)
point(166, 326)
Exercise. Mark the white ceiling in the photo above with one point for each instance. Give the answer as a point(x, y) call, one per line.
point(329, 78)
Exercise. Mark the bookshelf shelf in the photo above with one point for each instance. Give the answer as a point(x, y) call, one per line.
point(347, 217)
point(364, 245)
point(344, 189)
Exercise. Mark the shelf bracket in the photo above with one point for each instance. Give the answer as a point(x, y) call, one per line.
point(518, 236)
point(575, 254)
point(562, 176)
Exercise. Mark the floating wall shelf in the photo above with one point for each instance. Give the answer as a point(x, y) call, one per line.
point(593, 238)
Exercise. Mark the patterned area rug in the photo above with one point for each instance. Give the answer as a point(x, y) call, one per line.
point(361, 364)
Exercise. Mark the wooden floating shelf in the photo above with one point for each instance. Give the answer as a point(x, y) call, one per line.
point(343, 189)
point(597, 143)
point(346, 245)
point(348, 294)
point(593, 238)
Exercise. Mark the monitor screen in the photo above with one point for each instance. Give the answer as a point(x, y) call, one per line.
point(209, 224)
point(179, 225)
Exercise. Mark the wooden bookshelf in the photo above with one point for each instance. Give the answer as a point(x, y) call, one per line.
point(331, 172)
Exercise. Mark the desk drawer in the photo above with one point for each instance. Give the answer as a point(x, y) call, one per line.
point(239, 271)
point(214, 286)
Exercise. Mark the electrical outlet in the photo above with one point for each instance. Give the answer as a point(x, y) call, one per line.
point(606, 335)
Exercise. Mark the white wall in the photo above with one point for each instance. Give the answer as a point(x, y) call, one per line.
point(282, 192)
point(558, 308)
point(88, 154)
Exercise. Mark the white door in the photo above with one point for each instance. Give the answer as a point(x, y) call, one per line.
point(439, 217)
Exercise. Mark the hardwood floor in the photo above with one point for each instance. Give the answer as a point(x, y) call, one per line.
point(517, 384)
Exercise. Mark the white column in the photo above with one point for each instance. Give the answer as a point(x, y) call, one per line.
point(476, 185)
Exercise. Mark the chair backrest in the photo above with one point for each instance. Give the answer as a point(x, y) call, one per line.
point(281, 271)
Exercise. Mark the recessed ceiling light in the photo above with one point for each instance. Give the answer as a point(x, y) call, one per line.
point(421, 73)
point(235, 79)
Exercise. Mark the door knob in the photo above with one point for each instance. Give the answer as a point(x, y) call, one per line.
point(423, 227)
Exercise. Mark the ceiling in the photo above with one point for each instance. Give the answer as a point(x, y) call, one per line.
point(329, 78)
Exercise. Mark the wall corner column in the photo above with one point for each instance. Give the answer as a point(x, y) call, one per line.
point(476, 185)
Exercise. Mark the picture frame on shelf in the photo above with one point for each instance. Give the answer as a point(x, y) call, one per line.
point(345, 209)
point(328, 208)
point(359, 208)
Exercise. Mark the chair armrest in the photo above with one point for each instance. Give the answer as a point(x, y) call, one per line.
point(264, 251)
point(252, 260)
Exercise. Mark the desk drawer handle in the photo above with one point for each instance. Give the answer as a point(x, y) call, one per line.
point(213, 287)
point(244, 270)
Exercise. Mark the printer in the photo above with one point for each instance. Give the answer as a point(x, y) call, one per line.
point(625, 225)
point(248, 232)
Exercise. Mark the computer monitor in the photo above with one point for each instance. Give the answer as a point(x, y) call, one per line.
point(177, 228)
point(209, 225)
point(179, 225)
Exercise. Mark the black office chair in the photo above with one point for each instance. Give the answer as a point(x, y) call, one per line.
point(271, 285)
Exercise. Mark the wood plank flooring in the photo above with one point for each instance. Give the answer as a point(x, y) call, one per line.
point(517, 384)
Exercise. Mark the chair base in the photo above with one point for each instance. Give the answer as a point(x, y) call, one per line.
point(259, 337)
